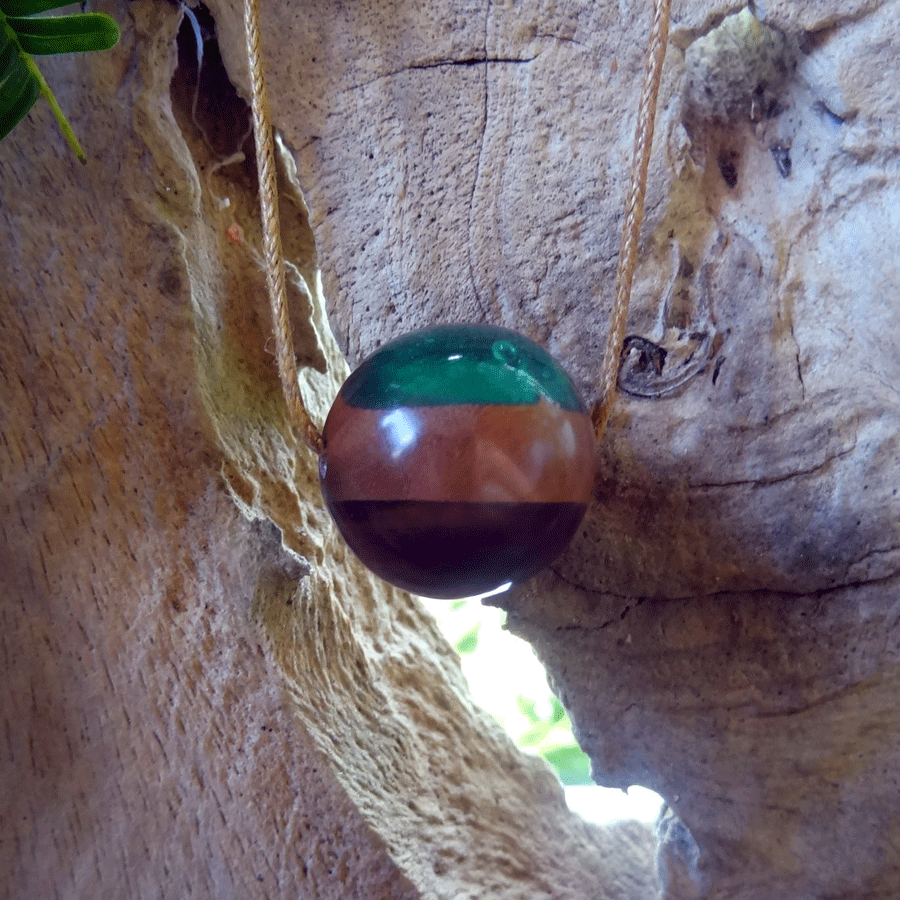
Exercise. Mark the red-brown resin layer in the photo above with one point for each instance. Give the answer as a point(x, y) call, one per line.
point(534, 453)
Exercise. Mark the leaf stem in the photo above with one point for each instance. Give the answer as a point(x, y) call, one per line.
point(64, 125)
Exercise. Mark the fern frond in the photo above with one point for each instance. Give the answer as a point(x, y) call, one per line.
point(21, 82)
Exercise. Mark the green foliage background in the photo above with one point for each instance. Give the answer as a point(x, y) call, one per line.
point(538, 723)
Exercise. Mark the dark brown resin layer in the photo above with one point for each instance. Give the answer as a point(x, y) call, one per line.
point(451, 549)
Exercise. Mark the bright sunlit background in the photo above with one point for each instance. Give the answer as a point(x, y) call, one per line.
point(506, 678)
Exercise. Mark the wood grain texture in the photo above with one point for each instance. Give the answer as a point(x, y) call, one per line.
point(147, 749)
point(204, 694)
point(725, 627)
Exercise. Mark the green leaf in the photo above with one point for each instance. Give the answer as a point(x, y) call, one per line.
point(8, 59)
point(18, 90)
point(558, 711)
point(21, 81)
point(65, 34)
point(469, 641)
point(526, 707)
point(571, 764)
point(535, 735)
point(545, 733)
point(30, 7)
point(15, 76)
point(15, 101)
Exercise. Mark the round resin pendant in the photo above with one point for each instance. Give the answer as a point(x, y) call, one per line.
point(457, 459)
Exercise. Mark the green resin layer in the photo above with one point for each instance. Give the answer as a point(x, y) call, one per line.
point(459, 364)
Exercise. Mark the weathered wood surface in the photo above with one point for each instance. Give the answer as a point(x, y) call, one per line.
point(725, 629)
point(188, 708)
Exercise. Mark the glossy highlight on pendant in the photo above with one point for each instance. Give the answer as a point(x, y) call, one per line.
point(457, 458)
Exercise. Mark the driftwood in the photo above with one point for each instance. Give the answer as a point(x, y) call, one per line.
point(725, 629)
point(206, 695)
